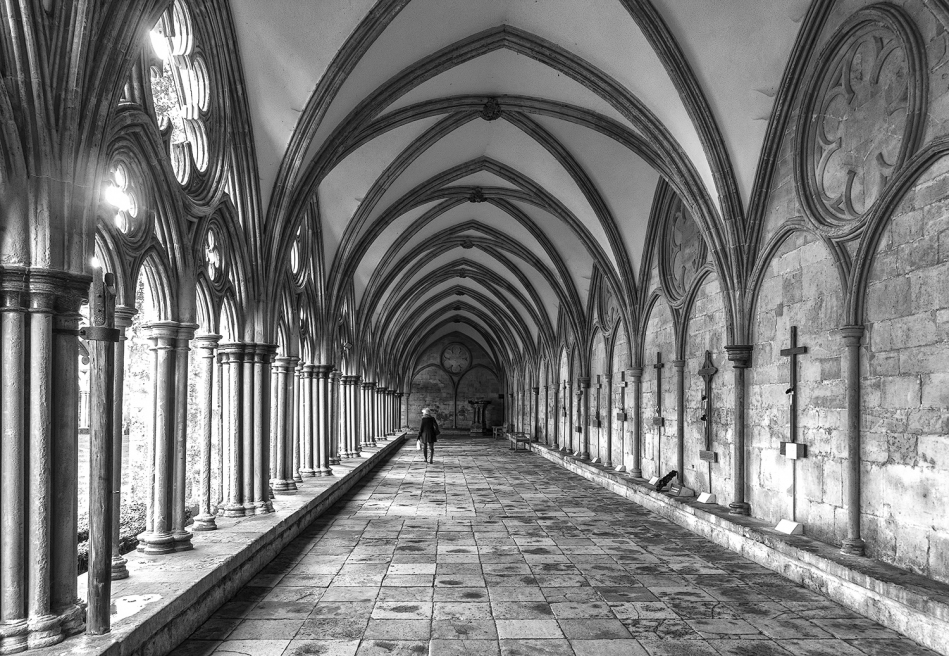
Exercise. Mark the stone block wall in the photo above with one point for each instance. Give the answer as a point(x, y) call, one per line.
point(800, 288)
point(621, 400)
point(599, 404)
point(905, 387)
point(659, 442)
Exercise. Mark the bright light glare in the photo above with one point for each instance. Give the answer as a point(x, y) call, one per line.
point(118, 198)
point(160, 45)
point(96, 264)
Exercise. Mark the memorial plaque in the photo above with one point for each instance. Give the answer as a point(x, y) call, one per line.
point(620, 416)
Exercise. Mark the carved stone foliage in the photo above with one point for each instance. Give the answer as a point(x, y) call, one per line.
point(609, 309)
point(862, 117)
point(683, 251)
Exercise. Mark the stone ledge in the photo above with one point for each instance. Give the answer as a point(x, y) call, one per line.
point(908, 603)
point(166, 598)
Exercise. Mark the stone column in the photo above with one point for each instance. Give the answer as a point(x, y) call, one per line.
point(608, 379)
point(297, 383)
point(853, 545)
point(398, 412)
point(307, 422)
point(366, 414)
point(335, 416)
point(584, 398)
point(636, 376)
point(206, 345)
point(535, 427)
point(231, 357)
point(13, 449)
point(679, 368)
point(263, 357)
point(123, 320)
point(557, 417)
point(179, 486)
point(158, 537)
point(219, 433)
point(282, 479)
point(248, 455)
point(547, 415)
point(322, 393)
point(357, 418)
point(393, 422)
point(740, 354)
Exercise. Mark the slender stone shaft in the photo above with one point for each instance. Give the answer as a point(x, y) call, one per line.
point(181, 535)
point(206, 345)
point(535, 426)
point(853, 545)
point(356, 421)
point(123, 319)
point(398, 412)
point(263, 353)
point(335, 414)
point(219, 435)
point(158, 538)
point(297, 419)
point(322, 403)
point(282, 479)
point(308, 469)
point(40, 474)
point(247, 430)
point(636, 375)
point(679, 367)
point(13, 459)
point(366, 414)
point(741, 356)
point(232, 357)
point(608, 460)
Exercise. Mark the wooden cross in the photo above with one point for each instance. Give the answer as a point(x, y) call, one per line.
point(658, 420)
point(798, 450)
point(706, 372)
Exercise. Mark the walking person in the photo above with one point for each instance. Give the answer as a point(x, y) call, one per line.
point(428, 435)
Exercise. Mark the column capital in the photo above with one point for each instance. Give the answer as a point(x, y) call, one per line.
point(124, 316)
point(678, 364)
point(399, 395)
point(231, 348)
point(350, 380)
point(294, 360)
point(740, 354)
point(635, 372)
point(336, 374)
point(322, 370)
point(583, 381)
point(308, 370)
point(282, 364)
point(207, 342)
point(186, 331)
point(607, 378)
point(162, 330)
point(853, 335)
point(368, 386)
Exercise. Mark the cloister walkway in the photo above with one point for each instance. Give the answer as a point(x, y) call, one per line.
point(490, 552)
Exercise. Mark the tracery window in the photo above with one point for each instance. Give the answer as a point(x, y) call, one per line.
point(121, 193)
point(180, 91)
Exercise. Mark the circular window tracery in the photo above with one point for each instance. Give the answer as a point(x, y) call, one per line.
point(862, 119)
point(181, 92)
point(121, 194)
point(212, 255)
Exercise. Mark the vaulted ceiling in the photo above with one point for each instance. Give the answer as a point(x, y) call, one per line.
point(473, 161)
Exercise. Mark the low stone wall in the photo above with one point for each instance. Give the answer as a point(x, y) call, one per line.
point(166, 598)
point(908, 603)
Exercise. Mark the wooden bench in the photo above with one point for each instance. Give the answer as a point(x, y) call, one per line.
point(498, 432)
point(518, 438)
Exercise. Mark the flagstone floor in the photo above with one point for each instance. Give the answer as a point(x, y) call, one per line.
point(492, 552)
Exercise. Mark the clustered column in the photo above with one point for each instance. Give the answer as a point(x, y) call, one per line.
point(335, 417)
point(636, 375)
point(368, 439)
point(38, 458)
point(584, 397)
point(283, 425)
point(321, 405)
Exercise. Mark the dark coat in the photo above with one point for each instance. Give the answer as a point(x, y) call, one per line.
point(428, 431)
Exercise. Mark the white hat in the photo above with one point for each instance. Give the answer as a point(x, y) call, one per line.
point(426, 411)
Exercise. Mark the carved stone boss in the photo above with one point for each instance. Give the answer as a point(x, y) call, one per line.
point(707, 371)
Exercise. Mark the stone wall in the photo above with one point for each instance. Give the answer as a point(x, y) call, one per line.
point(447, 394)
point(905, 388)
point(659, 442)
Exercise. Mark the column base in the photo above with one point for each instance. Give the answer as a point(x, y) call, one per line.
point(156, 544)
point(382, 438)
point(855, 547)
point(119, 570)
point(280, 485)
point(297, 478)
point(263, 507)
point(13, 637)
point(335, 461)
point(74, 618)
point(234, 510)
point(636, 473)
point(739, 508)
point(307, 473)
point(204, 522)
point(44, 631)
point(183, 540)
point(324, 471)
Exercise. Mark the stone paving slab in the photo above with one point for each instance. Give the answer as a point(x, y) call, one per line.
point(485, 552)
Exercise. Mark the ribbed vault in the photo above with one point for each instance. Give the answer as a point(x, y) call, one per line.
point(484, 166)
